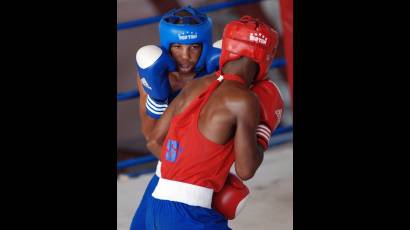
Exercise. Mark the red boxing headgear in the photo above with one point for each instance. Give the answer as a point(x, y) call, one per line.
point(251, 38)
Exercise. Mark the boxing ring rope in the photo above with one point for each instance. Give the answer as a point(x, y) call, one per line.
point(281, 134)
point(150, 158)
point(204, 9)
point(124, 96)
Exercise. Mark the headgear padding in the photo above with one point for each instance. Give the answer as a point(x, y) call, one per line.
point(194, 29)
point(251, 38)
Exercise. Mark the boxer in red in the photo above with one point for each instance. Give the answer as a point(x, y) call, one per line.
point(216, 121)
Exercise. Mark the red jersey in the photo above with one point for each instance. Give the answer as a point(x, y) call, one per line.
point(188, 156)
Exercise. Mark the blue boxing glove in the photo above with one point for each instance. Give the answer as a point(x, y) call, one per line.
point(212, 57)
point(154, 64)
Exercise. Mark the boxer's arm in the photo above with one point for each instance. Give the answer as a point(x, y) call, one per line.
point(147, 123)
point(248, 155)
point(157, 135)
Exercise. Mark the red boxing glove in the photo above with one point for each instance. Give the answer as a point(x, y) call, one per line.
point(232, 197)
point(271, 110)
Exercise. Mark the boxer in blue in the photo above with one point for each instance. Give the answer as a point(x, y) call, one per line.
point(185, 52)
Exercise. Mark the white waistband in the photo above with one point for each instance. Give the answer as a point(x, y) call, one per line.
point(190, 194)
point(158, 170)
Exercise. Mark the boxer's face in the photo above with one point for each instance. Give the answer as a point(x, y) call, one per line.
point(186, 56)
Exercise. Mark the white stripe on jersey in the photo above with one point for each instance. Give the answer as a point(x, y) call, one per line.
point(152, 110)
point(155, 104)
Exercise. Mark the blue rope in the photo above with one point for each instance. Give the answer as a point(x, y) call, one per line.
point(136, 161)
point(279, 62)
point(138, 22)
point(134, 93)
point(272, 145)
point(223, 5)
point(282, 132)
point(127, 95)
point(204, 9)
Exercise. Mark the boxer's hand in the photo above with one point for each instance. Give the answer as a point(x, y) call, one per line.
point(212, 57)
point(232, 197)
point(271, 109)
point(153, 64)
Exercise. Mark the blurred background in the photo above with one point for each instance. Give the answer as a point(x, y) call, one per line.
point(137, 26)
point(130, 141)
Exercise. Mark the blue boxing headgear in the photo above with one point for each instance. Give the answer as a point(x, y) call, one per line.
point(186, 33)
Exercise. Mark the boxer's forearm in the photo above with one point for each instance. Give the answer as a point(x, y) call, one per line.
point(147, 123)
point(246, 166)
point(154, 147)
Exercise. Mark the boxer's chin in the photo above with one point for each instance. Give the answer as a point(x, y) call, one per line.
point(185, 69)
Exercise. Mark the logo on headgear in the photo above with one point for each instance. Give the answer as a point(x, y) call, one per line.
point(258, 38)
point(188, 35)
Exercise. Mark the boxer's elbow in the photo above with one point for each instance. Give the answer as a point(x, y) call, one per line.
point(150, 144)
point(245, 170)
point(147, 125)
point(146, 131)
point(154, 147)
point(246, 167)
point(245, 174)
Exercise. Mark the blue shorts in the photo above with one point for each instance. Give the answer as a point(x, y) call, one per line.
point(165, 214)
point(138, 222)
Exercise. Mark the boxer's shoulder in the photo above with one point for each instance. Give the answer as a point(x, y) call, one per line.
point(239, 95)
point(198, 85)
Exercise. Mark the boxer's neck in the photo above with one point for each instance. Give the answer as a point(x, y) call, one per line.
point(243, 67)
point(179, 80)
